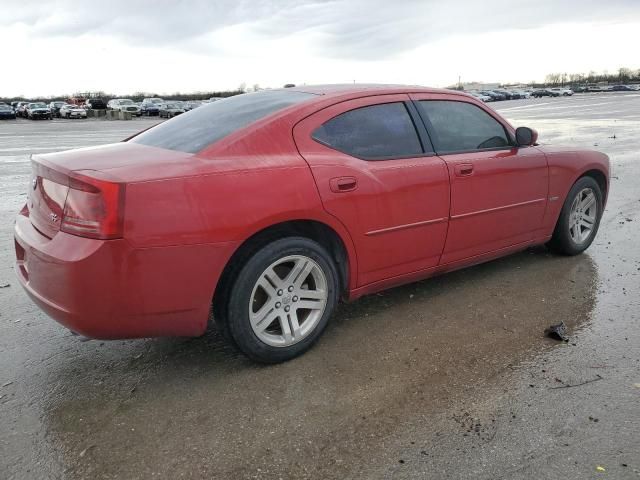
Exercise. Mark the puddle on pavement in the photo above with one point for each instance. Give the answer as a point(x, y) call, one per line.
point(413, 349)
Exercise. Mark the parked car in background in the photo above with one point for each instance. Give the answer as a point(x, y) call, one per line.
point(7, 112)
point(544, 92)
point(215, 99)
point(55, 108)
point(72, 111)
point(479, 96)
point(263, 211)
point(521, 94)
point(156, 100)
point(190, 105)
point(149, 108)
point(561, 91)
point(21, 109)
point(622, 88)
point(507, 94)
point(124, 105)
point(495, 96)
point(35, 110)
point(95, 104)
point(80, 101)
point(170, 110)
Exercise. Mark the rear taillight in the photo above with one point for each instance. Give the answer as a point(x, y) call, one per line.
point(94, 208)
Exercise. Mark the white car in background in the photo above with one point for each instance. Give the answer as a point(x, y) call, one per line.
point(564, 92)
point(480, 96)
point(124, 105)
point(72, 111)
point(190, 105)
point(156, 100)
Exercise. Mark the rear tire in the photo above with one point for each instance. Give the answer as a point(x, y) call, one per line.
point(281, 299)
point(579, 218)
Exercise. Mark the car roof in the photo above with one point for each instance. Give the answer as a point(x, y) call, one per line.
point(359, 89)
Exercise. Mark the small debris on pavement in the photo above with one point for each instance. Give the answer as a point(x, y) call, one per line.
point(568, 385)
point(600, 469)
point(557, 332)
point(84, 452)
point(7, 384)
point(6, 285)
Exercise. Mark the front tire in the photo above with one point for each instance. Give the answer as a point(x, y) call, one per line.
point(579, 218)
point(282, 299)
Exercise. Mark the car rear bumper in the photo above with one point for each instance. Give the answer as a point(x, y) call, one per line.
point(108, 289)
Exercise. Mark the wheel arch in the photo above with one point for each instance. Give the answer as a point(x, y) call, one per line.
point(340, 249)
point(600, 178)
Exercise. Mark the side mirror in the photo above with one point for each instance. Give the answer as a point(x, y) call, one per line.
point(526, 136)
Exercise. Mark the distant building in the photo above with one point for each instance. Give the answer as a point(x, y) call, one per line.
point(480, 86)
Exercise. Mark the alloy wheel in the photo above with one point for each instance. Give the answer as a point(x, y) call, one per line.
point(583, 215)
point(288, 301)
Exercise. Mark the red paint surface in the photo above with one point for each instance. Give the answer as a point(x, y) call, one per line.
point(186, 214)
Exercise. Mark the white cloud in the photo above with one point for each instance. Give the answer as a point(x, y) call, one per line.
point(166, 46)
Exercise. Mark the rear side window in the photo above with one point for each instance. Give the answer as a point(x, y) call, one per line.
point(375, 132)
point(461, 126)
point(199, 128)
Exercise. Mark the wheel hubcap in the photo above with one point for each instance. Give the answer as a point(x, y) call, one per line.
point(583, 215)
point(288, 300)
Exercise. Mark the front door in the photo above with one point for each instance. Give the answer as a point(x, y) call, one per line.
point(381, 179)
point(498, 191)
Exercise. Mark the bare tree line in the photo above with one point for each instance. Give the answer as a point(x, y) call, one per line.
point(623, 75)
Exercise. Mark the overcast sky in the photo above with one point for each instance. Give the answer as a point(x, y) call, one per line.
point(124, 46)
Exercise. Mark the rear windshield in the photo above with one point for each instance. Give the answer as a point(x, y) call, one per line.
point(199, 128)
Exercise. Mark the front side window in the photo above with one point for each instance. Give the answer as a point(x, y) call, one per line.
point(461, 126)
point(375, 132)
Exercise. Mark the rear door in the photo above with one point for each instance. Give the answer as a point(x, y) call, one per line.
point(498, 191)
point(376, 172)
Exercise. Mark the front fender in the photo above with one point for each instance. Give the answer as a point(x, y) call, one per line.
point(566, 166)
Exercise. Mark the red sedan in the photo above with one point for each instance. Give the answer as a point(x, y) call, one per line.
point(261, 211)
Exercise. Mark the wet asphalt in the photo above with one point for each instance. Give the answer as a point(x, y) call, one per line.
point(447, 378)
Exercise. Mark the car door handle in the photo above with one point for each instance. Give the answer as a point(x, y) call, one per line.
point(464, 169)
point(343, 184)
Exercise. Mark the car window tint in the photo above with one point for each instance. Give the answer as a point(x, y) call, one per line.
point(375, 132)
point(461, 126)
point(199, 128)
